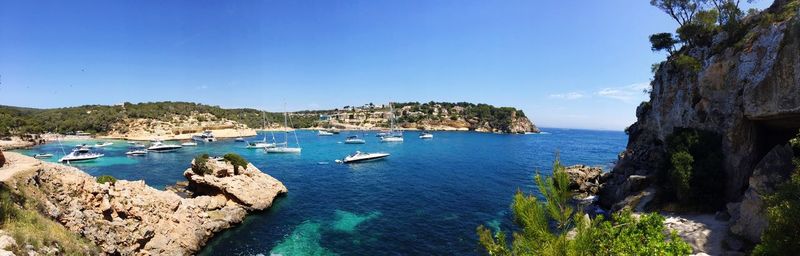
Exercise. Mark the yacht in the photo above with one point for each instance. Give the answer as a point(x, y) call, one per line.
point(363, 157)
point(426, 135)
point(78, 156)
point(283, 147)
point(334, 131)
point(189, 144)
point(82, 148)
point(104, 144)
point(354, 140)
point(206, 136)
point(137, 152)
point(263, 143)
point(40, 156)
point(159, 146)
point(324, 133)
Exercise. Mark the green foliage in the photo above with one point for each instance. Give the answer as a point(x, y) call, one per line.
point(682, 11)
point(624, 235)
point(694, 169)
point(200, 166)
point(783, 214)
point(498, 117)
point(106, 178)
point(236, 160)
point(686, 63)
point(663, 42)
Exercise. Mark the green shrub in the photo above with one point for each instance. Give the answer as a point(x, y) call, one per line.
point(106, 179)
point(686, 63)
point(200, 166)
point(544, 228)
point(694, 169)
point(236, 160)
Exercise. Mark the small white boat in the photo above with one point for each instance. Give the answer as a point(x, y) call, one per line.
point(426, 135)
point(189, 144)
point(239, 139)
point(206, 136)
point(324, 133)
point(161, 147)
point(82, 148)
point(40, 156)
point(363, 157)
point(392, 138)
point(132, 142)
point(382, 133)
point(77, 156)
point(354, 140)
point(283, 150)
point(104, 144)
point(137, 152)
point(260, 144)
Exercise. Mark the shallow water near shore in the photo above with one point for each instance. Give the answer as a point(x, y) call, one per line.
point(427, 198)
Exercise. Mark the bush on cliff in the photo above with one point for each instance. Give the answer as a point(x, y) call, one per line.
point(106, 179)
point(693, 170)
point(546, 228)
point(199, 167)
point(236, 160)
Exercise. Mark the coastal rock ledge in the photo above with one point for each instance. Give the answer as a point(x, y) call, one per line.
point(131, 218)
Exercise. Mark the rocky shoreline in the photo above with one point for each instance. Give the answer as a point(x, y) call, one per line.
point(131, 218)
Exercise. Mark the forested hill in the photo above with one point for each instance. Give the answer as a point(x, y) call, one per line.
point(101, 118)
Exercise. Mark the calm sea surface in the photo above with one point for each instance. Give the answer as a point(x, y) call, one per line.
point(427, 198)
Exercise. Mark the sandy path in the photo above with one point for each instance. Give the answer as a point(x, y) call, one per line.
point(17, 163)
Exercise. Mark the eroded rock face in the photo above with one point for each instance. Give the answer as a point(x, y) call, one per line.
point(584, 179)
point(131, 218)
point(747, 217)
point(2, 159)
point(749, 93)
point(251, 188)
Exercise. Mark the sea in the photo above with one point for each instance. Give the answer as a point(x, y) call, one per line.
point(426, 198)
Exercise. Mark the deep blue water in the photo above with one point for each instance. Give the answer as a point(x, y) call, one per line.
point(427, 198)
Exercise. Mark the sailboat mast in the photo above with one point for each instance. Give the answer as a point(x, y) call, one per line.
point(285, 126)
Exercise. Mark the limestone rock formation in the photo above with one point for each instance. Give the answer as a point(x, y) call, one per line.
point(251, 188)
point(2, 159)
point(747, 92)
point(748, 218)
point(584, 179)
point(131, 218)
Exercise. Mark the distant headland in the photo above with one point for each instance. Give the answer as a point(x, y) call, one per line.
point(176, 120)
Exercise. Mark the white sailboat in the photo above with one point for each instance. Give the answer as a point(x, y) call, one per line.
point(263, 143)
point(283, 147)
point(393, 135)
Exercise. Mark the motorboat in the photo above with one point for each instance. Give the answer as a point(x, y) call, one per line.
point(78, 156)
point(132, 142)
point(40, 156)
point(159, 146)
point(334, 131)
point(354, 140)
point(137, 152)
point(382, 133)
point(239, 139)
point(426, 135)
point(363, 157)
point(189, 144)
point(206, 136)
point(104, 144)
point(324, 133)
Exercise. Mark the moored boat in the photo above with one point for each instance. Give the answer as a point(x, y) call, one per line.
point(359, 156)
point(78, 156)
point(189, 144)
point(104, 144)
point(354, 140)
point(324, 133)
point(206, 136)
point(137, 152)
point(426, 135)
point(159, 146)
point(45, 155)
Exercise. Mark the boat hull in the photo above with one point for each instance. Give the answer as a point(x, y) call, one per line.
point(348, 160)
point(283, 150)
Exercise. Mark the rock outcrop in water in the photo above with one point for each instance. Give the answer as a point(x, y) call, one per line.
point(747, 92)
point(131, 218)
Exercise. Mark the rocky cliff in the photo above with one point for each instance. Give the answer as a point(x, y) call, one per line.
point(131, 218)
point(747, 92)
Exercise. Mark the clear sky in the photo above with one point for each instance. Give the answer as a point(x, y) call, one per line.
point(580, 64)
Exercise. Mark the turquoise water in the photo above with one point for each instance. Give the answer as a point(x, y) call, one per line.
point(427, 198)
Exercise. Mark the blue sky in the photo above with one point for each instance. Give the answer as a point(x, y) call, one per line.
point(573, 65)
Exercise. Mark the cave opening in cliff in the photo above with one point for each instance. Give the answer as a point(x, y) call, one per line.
point(775, 132)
